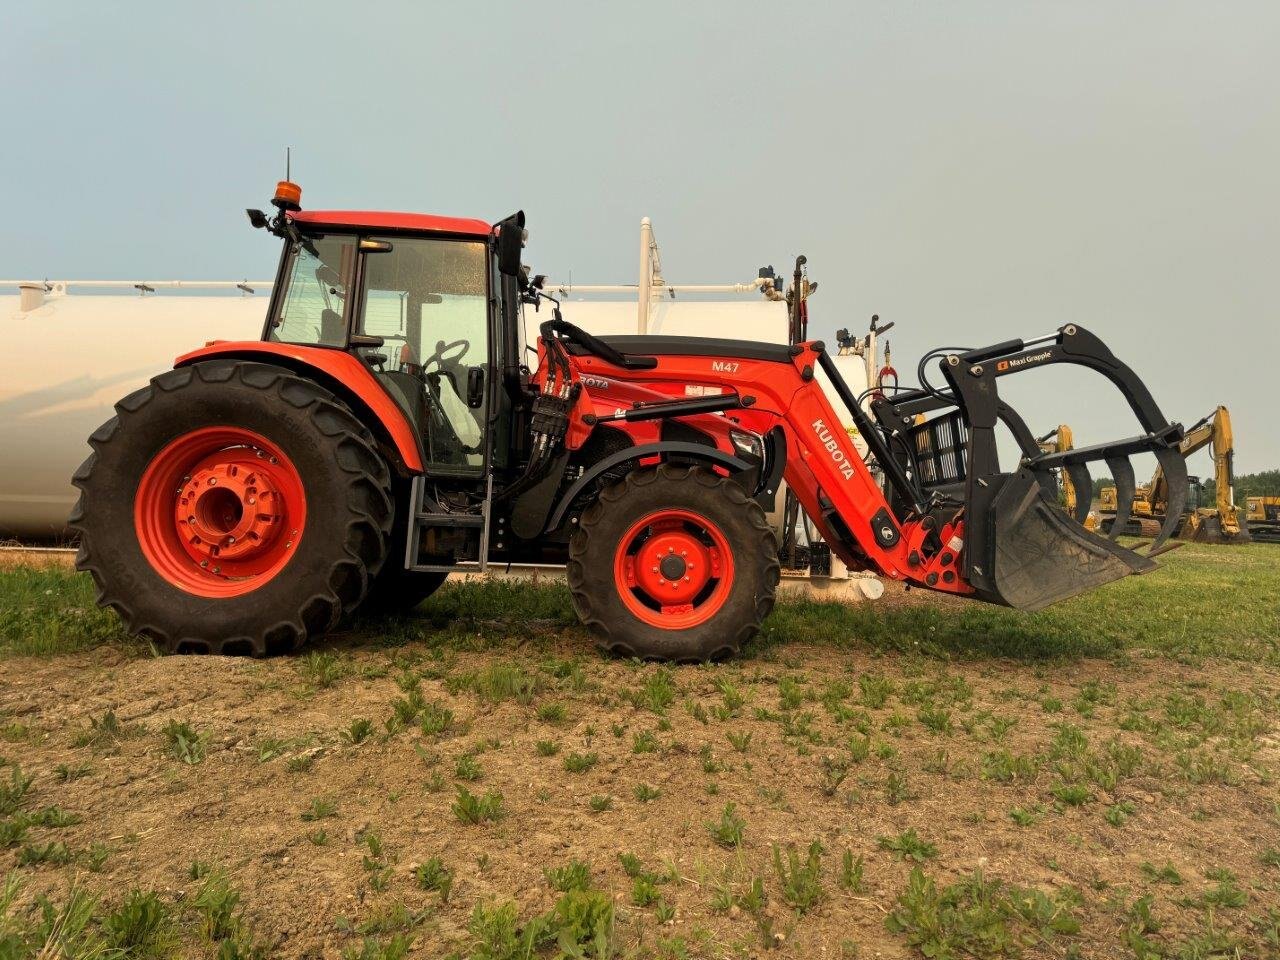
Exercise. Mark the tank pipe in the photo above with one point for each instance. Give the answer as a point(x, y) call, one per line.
point(49, 285)
point(569, 289)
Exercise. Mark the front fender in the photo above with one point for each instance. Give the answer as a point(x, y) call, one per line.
point(340, 372)
point(669, 449)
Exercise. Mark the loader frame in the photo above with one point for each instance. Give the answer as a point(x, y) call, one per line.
point(945, 534)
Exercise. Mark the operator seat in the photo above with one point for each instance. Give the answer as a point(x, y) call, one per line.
point(332, 329)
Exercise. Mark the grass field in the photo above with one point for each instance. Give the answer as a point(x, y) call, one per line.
point(915, 777)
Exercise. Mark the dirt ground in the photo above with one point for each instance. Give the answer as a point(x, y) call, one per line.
point(834, 744)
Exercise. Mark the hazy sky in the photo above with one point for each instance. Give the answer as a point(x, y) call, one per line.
point(972, 171)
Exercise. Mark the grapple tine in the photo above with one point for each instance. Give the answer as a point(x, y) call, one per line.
point(1048, 484)
point(1080, 479)
point(1174, 467)
point(1126, 486)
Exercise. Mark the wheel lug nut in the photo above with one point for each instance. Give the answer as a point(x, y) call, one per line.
point(660, 580)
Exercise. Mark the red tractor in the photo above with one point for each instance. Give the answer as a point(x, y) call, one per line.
point(387, 428)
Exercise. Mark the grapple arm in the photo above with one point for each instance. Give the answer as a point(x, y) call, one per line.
point(1027, 552)
point(1076, 345)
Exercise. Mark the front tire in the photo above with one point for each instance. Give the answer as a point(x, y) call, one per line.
point(673, 563)
point(232, 507)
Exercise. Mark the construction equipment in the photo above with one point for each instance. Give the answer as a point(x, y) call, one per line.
point(386, 430)
point(1151, 505)
point(1060, 440)
point(1263, 517)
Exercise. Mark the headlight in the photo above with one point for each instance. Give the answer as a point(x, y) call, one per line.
point(747, 444)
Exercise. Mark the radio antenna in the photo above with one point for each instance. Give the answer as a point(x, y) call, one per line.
point(287, 162)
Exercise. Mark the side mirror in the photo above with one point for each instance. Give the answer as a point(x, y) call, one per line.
point(475, 387)
point(511, 236)
point(257, 219)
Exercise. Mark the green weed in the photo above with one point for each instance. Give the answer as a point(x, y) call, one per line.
point(469, 808)
point(433, 875)
point(909, 845)
point(358, 731)
point(728, 830)
point(801, 881)
point(184, 743)
point(580, 762)
point(320, 809)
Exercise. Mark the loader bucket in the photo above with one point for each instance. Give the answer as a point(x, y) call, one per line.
point(1022, 549)
point(1040, 554)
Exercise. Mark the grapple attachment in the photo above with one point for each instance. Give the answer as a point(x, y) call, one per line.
point(1037, 554)
point(1022, 549)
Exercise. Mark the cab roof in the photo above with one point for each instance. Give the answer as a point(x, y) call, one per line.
point(385, 220)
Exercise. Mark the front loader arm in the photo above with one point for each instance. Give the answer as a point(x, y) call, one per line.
point(954, 521)
point(823, 468)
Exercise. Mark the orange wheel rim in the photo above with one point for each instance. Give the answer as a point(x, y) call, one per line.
point(219, 511)
point(673, 569)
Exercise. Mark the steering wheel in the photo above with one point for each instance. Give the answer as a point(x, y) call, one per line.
point(448, 354)
point(447, 360)
point(445, 363)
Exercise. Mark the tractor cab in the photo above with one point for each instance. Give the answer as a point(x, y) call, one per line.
point(423, 303)
point(413, 297)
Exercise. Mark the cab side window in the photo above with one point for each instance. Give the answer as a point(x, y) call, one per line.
point(311, 307)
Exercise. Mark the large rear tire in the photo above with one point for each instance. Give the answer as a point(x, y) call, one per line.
point(232, 507)
point(673, 563)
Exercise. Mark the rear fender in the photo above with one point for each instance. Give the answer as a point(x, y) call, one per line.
point(340, 372)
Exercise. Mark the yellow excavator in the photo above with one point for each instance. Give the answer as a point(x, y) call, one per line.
point(1060, 441)
point(1263, 516)
point(1220, 523)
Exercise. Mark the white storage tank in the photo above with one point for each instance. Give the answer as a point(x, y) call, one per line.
point(67, 359)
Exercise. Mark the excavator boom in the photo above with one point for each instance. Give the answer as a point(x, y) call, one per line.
point(1152, 506)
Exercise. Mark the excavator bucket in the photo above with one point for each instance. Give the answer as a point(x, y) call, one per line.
point(1022, 549)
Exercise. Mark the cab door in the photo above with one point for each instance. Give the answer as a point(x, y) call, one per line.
point(422, 325)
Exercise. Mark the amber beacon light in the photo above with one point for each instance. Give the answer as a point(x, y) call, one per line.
point(288, 196)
